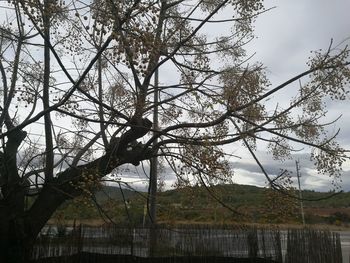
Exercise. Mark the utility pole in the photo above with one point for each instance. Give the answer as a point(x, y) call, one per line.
point(154, 173)
point(300, 193)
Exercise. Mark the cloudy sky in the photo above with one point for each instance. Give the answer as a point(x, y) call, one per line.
point(285, 37)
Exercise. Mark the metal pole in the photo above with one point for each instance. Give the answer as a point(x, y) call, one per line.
point(154, 173)
point(300, 193)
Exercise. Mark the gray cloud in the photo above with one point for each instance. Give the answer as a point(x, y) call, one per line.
point(250, 173)
point(286, 35)
point(289, 32)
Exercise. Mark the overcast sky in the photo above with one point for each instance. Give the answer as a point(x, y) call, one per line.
point(285, 37)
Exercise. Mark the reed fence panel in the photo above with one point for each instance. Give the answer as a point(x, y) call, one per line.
point(193, 241)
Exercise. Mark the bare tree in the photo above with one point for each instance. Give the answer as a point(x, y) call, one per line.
point(77, 98)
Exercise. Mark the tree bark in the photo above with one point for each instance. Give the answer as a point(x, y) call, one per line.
point(18, 227)
point(12, 232)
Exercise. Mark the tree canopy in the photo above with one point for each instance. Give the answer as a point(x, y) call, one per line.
point(77, 97)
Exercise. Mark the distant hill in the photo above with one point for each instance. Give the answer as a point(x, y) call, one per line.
point(234, 194)
point(200, 205)
point(114, 192)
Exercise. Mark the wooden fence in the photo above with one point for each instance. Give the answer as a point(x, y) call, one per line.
point(297, 246)
point(308, 246)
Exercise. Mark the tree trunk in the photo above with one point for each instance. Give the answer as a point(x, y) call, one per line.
point(15, 244)
point(20, 227)
point(12, 224)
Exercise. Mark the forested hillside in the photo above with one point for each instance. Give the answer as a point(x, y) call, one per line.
point(217, 204)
